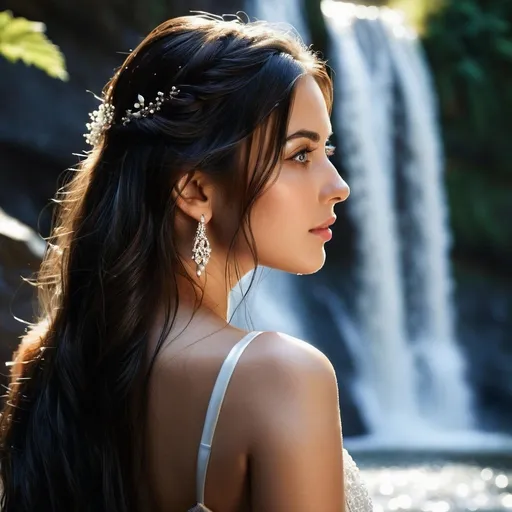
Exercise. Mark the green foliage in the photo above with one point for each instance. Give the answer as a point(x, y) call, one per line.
point(21, 39)
point(469, 46)
point(481, 210)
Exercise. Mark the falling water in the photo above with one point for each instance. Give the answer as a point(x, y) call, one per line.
point(433, 336)
point(388, 366)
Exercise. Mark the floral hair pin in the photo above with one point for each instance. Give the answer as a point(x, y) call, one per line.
point(103, 118)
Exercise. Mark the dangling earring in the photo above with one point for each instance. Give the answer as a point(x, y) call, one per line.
point(201, 250)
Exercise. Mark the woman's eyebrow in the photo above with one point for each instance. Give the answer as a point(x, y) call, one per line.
point(314, 136)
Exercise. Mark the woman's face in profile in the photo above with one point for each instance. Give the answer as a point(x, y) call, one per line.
point(305, 192)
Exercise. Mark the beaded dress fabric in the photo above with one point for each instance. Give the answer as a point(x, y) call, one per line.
point(357, 498)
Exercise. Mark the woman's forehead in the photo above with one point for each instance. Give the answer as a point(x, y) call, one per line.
point(309, 109)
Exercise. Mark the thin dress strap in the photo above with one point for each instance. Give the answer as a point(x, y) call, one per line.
point(213, 411)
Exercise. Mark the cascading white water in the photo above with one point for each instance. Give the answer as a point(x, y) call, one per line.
point(391, 356)
point(361, 102)
point(433, 337)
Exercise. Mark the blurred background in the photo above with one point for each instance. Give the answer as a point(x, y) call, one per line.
point(414, 305)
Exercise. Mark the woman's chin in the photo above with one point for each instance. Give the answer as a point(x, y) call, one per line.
point(310, 266)
point(308, 263)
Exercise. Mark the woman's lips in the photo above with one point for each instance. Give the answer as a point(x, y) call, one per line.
point(323, 230)
point(324, 233)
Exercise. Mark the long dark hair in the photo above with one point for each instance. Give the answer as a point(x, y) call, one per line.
point(70, 431)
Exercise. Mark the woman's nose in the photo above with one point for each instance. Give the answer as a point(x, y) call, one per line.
point(336, 189)
point(342, 190)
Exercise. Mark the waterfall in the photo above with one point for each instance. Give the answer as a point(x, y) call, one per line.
point(426, 346)
point(433, 335)
point(410, 372)
point(361, 102)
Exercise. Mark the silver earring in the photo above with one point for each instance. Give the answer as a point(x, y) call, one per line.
point(201, 250)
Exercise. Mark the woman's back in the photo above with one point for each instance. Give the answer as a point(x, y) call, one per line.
point(179, 393)
point(182, 452)
point(262, 405)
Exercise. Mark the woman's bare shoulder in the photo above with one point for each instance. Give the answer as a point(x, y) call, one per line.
point(293, 425)
point(276, 351)
point(281, 369)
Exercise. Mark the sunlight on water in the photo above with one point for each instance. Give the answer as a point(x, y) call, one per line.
point(464, 472)
point(439, 488)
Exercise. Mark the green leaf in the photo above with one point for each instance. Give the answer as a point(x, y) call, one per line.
point(471, 70)
point(504, 47)
point(21, 39)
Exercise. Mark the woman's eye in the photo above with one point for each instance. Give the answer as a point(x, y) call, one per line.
point(302, 156)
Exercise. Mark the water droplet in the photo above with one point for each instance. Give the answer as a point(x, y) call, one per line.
point(501, 481)
point(386, 489)
point(404, 501)
point(462, 490)
point(506, 500)
point(486, 474)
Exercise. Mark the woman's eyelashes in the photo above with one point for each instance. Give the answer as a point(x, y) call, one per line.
point(301, 156)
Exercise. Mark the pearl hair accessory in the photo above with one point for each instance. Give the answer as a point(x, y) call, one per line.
point(103, 118)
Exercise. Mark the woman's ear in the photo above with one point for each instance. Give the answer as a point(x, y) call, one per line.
point(194, 195)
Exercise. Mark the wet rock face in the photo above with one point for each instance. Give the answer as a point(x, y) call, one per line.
point(484, 305)
point(21, 250)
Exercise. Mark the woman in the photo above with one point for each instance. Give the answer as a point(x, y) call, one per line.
point(210, 157)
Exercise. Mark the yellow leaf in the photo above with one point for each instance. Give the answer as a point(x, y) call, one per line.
point(21, 39)
point(417, 11)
